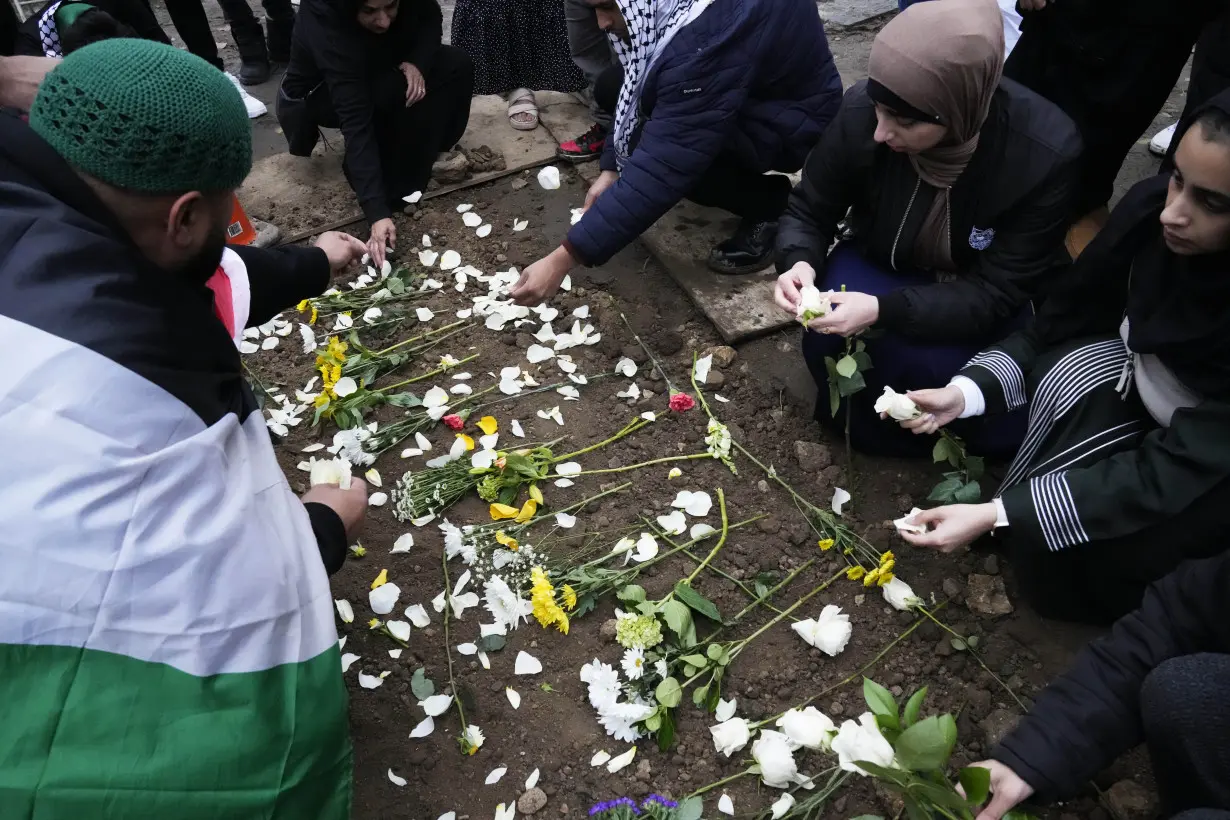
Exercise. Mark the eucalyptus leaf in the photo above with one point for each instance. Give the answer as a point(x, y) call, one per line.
point(847, 366)
point(690, 809)
point(669, 693)
point(959, 644)
point(679, 619)
point(492, 643)
point(699, 694)
point(696, 660)
point(850, 386)
point(421, 685)
point(631, 594)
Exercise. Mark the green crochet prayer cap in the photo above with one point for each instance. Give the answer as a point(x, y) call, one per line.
point(146, 117)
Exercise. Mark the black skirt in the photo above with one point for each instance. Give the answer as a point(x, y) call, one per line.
point(516, 44)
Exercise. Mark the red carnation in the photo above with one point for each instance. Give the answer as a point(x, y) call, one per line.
point(682, 402)
point(454, 421)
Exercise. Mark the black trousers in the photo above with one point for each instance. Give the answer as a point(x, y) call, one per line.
point(189, 19)
point(729, 183)
point(1185, 709)
point(409, 139)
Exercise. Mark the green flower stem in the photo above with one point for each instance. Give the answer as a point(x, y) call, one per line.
point(665, 460)
point(435, 372)
point(720, 783)
point(721, 541)
point(975, 656)
point(448, 653)
point(578, 505)
point(652, 359)
point(743, 643)
point(629, 428)
point(427, 335)
point(762, 599)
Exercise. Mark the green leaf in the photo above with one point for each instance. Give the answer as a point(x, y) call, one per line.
point(714, 651)
point(697, 660)
point(631, 594)
point(940, 451)
point(679, 619)
point(977, 784)
point(894, 776)
point(491, 643)
point(972, 640)
point(959, 644)
point(761, 589)
point(975, 467)
point(945, 491)
point(689, 670)
point(847, 366)
point(585, 605)
point(666, 735)
point(944, 795)
point(864, 361)
point(696, 601)
point(1017, 814)
point(699, 694)
point(654, 722)
point(647, 607)
point(421, 685)
point(948, 724)
point(879, 700)
point(852, 385)
point(690, 809)
point(830, 364)
point(834, 400)
point(868, 817)
point(969, 493)
point(914, 706)
point(925, 746)
point(669, 693)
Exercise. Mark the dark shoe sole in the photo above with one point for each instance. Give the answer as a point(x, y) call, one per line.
point(577, 158)
point(740, 270)
point(257, 78)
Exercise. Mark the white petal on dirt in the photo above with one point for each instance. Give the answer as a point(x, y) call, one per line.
point(270, 343)
point(695, 504)
point(373, 477)
point(624, 759)
point(725, 710)
point(464, 208)
point(577, 215)
point(450, 260)
point(569, 392)
point(546, 333)
point(370, 681)
point(461, 389)
point(721, 398)
point(520, 225)
point(564, 482)
point(537, 353)
point(516, 428)
point(341, 642)
point(488, 442)
point(700, 531)
point(377, 499)
point(565, 520)
point(395, 653)
point(726, 805)
point(568, 468)
point(599, 758)
point(484, 660)
point(508, 812)
point(423, 520)
point(313, 448)
point(309, 338)
point(567, 283)
point(840, 498)
point(425, 727)
point(348, 659)
point(424, 314)
point(582, 312)
point(626, 367)
point(701, 369)
point(548, 178)
point(633, 392)
point(426, 241)
point(248, 347)
point(395, 780)
point(435, 397)
point(532, 780)
point(565, 364)
point(514, 697)
point(674, 524)
point(403, 543)
point(418, 615)
point(471, 219)
point(398, 629)
point(344, 610)
point(448, 815)
point(553, 414)
point(410, 452)
point(413, 198)
point(467, 649)
point(372, 314)
point(383, 598)
point(422, 441)
point(436, 705)
point(495, 775)
point(345, 386)
point(428, 258)
point(484, 231)
point(526, 664)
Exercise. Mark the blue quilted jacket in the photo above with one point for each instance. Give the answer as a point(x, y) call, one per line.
point(753, 78)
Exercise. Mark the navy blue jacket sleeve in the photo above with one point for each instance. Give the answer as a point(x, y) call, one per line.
point(692, 116)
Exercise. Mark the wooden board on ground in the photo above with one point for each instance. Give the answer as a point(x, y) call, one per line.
point(853, 12)
point(740, 307)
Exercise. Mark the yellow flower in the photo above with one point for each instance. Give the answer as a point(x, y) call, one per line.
point(884, 579)
point(302, 306)
point(507, 540)
point(887, 558)
point(826, 544)
point(887, 567)
point(488, 425)
point(381, 579)
point(527, 511)
point(570, 597)
point(674, 473)
point(870, 578)
point(542, 599)
point(321, 400)
point(499, 512)
point(854, 573)
point(312, 320)
point(469, 441)
point(374, 623)
point(536, 494)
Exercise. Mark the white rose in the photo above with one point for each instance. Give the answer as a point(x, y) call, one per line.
point(330, 471)
point(813, 304)
point(897, 406)
point(861, 741)
point(809, 728)
point(730, 736)
point(829, 633)
point(899, 594)
point(777, 767)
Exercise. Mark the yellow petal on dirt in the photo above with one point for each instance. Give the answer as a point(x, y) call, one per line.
point(488, 425)
point(500, 512)
point(527, 511)
point(469, 441)
point(381, 579)
point(536, 493)
point(506, 539)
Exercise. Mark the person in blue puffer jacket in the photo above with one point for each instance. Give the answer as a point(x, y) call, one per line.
point(708, 96)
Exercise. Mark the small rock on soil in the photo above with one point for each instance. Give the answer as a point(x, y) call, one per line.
point(985, 595)
point(532, 801)
point(1128, 800)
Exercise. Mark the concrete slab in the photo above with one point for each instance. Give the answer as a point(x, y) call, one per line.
point(853, 12)
point(740, 307)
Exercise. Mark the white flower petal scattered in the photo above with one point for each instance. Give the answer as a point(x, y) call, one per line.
point(373, 477)
point(383, 598)
point(626, 367)
point(377, 499)
point(450, 260)
point(520, 225)
point(403, 543)
point(553, 414)
point(484, 231)
point(514, 697)
point(695, 504)
point(725, 709)
point(467, 649)
point(436, 705)
point(345, 386)
point(548, 178)
point(418, 615)
point(782, 805)
point(526, 664)
point(537, 353)
point(840, 498)
point(424, 314)
point(532, 780)
point(674, 524)
point(700, 531)
point(309, 338)
point(398, 629)
point(465, 207)
point(425, 727)
point(344, 610)
point(565, 520)
point(700, 370)
point(427, 258)
point(395, 780)
point(564, 482)
point(568, 468)
point(348, 659)
point(617, 763)
point(334, 471)
point(471, 219)
point(495, 775)
point(508, 812)
point(370, 681)
point(726, 805)
point(599, 758)
point(413, 198)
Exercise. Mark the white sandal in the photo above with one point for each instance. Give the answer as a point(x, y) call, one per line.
point(522, 101)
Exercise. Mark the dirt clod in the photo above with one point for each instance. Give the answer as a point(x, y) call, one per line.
point(723, 355)
point(532, 801)
point(1128, 800)
point(998, 724)
point(812, 455)
point(986, 596)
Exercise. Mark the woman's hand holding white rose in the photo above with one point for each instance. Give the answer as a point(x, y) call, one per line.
point(789, 290)
point(939, 408)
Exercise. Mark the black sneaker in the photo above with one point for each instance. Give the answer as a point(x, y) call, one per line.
point(748, 251)
point(254, 73)
point(585, 147)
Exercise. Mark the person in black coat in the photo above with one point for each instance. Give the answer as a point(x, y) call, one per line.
point(60, 28)
point(1162, 677)
point(376, 69)
point(958, 187)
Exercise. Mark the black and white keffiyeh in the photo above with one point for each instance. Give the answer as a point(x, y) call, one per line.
point(47, 33)
point(652, 24)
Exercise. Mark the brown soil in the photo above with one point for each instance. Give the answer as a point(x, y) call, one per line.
point(556, 731)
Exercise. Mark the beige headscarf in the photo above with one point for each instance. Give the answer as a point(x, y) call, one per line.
point(944, 57)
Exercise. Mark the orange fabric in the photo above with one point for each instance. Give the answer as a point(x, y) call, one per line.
point(1084, 230)
point(240, 230)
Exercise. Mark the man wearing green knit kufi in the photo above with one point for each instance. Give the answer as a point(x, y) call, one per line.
point(167, 645)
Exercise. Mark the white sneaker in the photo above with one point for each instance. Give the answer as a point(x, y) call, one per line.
point(1160, 143)
point(255, 107)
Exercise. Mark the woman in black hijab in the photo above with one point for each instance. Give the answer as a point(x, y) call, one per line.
point(1125, 469)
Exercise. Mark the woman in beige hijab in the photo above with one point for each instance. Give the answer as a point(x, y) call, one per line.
point(954, 188)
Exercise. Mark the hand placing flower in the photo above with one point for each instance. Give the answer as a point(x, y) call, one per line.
point(952, 527)
point(788, 293)
point(1008, 790)
point(938, 409)
point(852, 313)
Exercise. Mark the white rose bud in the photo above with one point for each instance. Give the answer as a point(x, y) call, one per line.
point(813, 304)
point(897, 406)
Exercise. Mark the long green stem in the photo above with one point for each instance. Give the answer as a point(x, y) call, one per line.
point(630, 428)
point(427, 335)
point(720, 783)
point(763, 599)
point(448, 650)
point(721, 541)
point(665, 460)
point(649, 354)
point(743, 643)
point(975, 656)
point(435, 372)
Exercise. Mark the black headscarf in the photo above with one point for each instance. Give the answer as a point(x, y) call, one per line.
point(1179, 306)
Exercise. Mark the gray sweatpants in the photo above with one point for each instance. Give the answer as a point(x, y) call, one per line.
point(590, 48)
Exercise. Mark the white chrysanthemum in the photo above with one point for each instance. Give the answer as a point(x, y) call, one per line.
point(504, 604)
